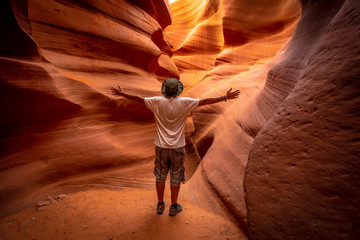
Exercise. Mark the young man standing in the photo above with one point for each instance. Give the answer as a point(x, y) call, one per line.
point(170, 113)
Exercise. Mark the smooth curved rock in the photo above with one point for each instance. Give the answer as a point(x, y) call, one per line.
point(96, 36)
point(302, 176)
point(60, 130)
point(205, 38)
point(158, 9)
point(188, 14)
point(224, 132)
point(244, 21)
point(163, 67)
point(63, 131)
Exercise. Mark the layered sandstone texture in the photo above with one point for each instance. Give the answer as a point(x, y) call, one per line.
point(211, 59)
point(302, 178)
point(295, 120)
point(61, 129)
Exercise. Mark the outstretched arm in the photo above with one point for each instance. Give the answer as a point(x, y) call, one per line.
point(120, 92)
point(211, 100)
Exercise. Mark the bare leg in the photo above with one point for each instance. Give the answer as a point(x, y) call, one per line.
point(160, 187)
point(174, 193)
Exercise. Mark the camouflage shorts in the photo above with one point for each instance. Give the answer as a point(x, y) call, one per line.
point(170, 159)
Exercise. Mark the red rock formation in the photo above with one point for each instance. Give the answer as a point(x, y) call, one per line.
point(94, 35)
point(245, 21)
point(158, 9)
point(302, 178)
point(223, 134)
point(58, 123)
point(62, 131)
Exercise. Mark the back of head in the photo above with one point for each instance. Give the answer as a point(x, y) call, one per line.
point(171, 87)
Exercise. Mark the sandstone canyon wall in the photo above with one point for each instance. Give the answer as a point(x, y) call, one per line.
point(302, 178)
point(224, 132)
point(60, 127)
point(292, 133)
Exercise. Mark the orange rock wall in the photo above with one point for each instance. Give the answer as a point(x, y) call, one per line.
point(224, 132)
point(61, 130)
point(302, 178)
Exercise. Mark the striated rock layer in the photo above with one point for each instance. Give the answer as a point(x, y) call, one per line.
point(60, 130)
point(295, 120)
point(302, 178)
point(224, 132)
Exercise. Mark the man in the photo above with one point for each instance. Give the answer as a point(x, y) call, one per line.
point(170, 113)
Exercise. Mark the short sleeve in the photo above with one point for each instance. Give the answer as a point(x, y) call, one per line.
point(191, 103)
point(150, 102)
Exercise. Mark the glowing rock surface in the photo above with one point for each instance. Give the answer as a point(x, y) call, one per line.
point(291, 134)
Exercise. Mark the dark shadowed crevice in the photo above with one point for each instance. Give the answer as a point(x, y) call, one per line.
point(203, 145)
point(14, 42)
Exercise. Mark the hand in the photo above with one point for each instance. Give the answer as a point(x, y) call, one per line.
point(117, 91)
point(232, 95)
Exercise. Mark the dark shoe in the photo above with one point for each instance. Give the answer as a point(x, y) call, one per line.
point(175, 209)
point(160, 208)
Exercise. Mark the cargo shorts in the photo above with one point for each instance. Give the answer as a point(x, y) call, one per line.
point(170, 159)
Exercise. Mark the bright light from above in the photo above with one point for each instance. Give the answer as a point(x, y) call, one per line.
point(170, 1)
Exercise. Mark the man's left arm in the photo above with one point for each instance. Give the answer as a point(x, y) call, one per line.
point(211, 100)
point(133, 97)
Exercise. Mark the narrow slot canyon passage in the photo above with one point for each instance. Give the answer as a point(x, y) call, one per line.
point(280, 161)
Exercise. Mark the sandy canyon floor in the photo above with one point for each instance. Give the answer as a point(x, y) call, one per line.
point(116, 214)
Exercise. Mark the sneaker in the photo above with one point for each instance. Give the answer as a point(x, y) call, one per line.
point(160, 208)
point(175, 209)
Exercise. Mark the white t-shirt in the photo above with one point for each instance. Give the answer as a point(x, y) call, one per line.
point(170, 116)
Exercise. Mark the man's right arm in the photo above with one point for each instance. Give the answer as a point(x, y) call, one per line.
point(211, 100)
point(133, 97)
